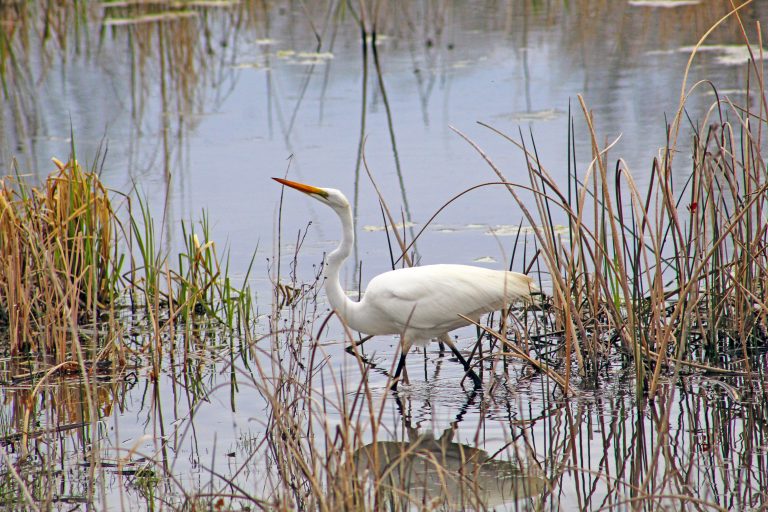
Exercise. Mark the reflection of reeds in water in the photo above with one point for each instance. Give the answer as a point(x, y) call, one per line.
point(57, 423)
point(177, 63)
point(175, 57)
point(170, 49)
point(179, 54)
point(46, 418)
point(32, 33)
point(42, 404)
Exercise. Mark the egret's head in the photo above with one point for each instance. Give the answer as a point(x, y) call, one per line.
point(329, 196)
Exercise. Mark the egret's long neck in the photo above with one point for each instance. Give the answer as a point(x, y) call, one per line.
point(342, 304)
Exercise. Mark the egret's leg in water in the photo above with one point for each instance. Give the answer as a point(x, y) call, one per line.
point(469, 371)
point(406, 347)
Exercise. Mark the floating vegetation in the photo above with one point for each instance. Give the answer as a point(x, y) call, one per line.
point(731, 55)
point(549, 114)
point(304, 58)
point(149, 18)
point(725, 55)
point(524, 230)
point(666, 4)
point(400, 225)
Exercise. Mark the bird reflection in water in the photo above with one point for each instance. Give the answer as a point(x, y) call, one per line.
point(442, 473)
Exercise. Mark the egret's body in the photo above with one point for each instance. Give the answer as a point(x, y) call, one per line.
point(418, 303)
point(422, 303)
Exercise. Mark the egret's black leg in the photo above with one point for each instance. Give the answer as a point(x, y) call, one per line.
point(400, 364)
point(478, 344)
point(469, 371)
point(442, 347)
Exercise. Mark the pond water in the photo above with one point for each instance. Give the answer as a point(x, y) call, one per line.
point(198, 111)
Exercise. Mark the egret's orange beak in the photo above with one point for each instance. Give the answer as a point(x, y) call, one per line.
point(301, 187)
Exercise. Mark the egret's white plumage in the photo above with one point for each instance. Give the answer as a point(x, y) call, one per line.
point(418, 303)
point(422, 303)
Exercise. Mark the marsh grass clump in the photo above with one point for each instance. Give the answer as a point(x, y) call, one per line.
point(67, 261)
point(204, 284)
point(198, 286)
point(59, 257)
point(672, 274)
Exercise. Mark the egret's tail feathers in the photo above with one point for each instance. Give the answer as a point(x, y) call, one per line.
point(520, 287)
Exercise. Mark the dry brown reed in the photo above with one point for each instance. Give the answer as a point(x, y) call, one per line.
point(671, 274)
point(59, 262)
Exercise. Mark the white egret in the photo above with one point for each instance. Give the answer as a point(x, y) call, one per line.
point(418, 303)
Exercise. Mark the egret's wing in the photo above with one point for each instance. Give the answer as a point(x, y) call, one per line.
point(430, 298)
